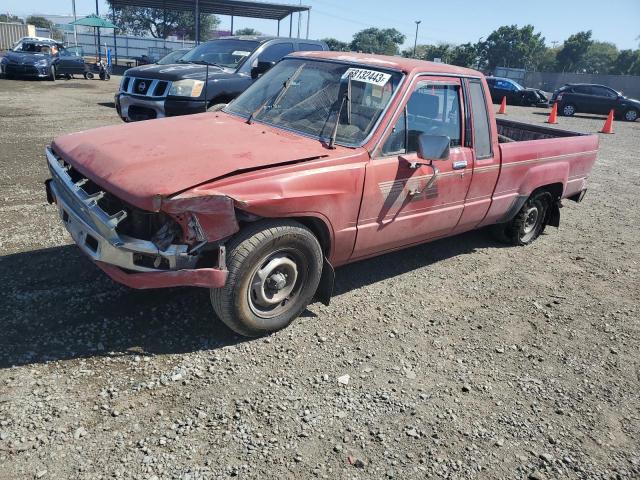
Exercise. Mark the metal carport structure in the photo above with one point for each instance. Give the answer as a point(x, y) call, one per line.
point(232, 8)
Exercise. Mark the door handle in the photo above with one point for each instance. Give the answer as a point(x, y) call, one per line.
point(460, 164)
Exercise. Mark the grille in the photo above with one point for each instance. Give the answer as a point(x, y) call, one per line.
point(146, 87)
point(137, 223)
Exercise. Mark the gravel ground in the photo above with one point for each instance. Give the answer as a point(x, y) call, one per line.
point(455, 359)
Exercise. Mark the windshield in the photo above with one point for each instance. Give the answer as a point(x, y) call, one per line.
point(517, 85)
point(306, 95)
point(226, 53)
point(30, 47)
point(172, 57)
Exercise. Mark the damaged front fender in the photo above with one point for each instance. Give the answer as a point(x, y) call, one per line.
point(203, 218)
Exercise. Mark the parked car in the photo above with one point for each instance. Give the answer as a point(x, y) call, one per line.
point(172, 57)
point(329, 158)
point(43, 59)
point(516, 94)
point(233, 63)
point(575, 98)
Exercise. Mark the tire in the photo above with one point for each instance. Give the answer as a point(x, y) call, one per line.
point(52, 73)
point(631, 115)
point(568, 110)
point(216, 107)
point(290, 259)
point(529, 222)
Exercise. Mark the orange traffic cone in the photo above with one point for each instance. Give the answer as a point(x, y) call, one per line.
point(553, 116)
point(503, 106)
point(608, 124)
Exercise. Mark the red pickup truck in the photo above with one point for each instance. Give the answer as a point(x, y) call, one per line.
point(328, 159)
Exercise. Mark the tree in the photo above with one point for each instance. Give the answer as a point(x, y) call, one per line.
point(510, 46)
point(375, 40)
point(600, 57)
point(336, 45)
point(247, 31)
point(571, 57)
point(39, 22)
point(627, 63)
point(161, 23)
point(548, 60)
point(8, 18)
point(465, 55)
point(429, 52)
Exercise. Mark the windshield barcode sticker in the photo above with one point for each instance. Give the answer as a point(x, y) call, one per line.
point(368, 76)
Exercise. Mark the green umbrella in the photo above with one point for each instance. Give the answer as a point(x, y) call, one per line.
point(95, 22)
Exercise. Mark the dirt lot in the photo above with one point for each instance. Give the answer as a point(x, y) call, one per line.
point(466, 359)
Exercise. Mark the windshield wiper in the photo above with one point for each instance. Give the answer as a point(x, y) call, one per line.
point(346, 98)
point(278, 95)
point(202, 62)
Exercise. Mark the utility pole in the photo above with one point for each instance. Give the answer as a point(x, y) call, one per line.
point(415, 43)
point(99, 52)
point(299, 19)
point(75, 28)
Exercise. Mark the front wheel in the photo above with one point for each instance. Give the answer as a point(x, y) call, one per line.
point(274, 272)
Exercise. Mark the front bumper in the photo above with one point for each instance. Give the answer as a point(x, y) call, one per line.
point(132, 108)
point(31, 71)
point(94, 231)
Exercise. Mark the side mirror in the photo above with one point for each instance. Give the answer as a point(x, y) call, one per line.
point(261, 68)
point(433, 147)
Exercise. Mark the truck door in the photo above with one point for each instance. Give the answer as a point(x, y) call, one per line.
point(396, 208)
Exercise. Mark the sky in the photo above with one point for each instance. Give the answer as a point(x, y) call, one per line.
point(450, 21)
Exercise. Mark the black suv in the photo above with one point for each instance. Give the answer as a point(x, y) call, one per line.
point(591, 98)
point(233, 63)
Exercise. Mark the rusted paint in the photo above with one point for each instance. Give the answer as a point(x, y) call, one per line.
point(200, 277)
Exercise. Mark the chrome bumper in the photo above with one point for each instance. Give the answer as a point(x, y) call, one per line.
point(94, 230)
point(127, 101)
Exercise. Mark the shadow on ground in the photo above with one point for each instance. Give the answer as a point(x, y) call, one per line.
point(57, 305)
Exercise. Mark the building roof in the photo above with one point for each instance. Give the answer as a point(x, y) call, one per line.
point(239, 8)
point(403, 64)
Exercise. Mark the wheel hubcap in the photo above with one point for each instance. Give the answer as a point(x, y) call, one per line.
point(531, 220)
point(631, 115)
point(568, 110)
point(274, 285)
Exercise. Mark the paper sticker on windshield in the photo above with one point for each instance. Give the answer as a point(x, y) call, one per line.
point(240, 53)
point(368, 76)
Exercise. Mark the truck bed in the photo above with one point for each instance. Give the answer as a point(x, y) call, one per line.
point(510, 131)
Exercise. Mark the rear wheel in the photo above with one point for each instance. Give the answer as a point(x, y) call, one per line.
point(528, 223)
point(274, 272)
point(568, 110)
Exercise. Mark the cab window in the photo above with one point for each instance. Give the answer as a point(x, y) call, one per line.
point(275, 52)
point(433, 109)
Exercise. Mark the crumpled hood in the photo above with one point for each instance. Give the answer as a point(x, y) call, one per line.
point(140, 161)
